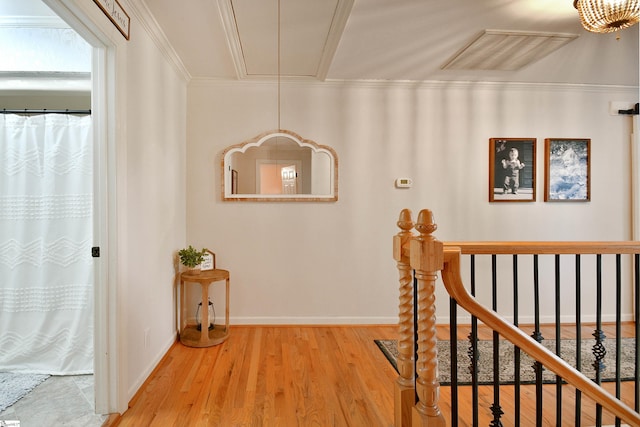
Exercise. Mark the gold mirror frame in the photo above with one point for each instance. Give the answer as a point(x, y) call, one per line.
point(229, 175)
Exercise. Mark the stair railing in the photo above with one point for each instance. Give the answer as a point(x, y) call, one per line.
point(417, 389)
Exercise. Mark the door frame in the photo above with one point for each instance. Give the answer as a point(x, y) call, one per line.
point(109, 380)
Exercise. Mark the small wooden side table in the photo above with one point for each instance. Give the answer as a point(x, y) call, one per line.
point(190, 335)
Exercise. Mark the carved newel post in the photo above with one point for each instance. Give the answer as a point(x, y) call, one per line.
point(404, 391)
point(427, 258)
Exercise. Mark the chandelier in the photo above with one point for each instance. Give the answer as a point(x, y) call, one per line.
point(605, 16)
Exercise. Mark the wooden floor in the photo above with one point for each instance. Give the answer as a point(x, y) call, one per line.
point(272, 376)
point(303, 376)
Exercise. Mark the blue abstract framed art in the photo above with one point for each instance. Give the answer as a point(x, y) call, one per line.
point(568, 170)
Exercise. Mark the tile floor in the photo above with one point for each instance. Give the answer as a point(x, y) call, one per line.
point(58, 401)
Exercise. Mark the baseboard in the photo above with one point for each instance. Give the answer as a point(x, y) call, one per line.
point(292, 320)
point(112, 420)
point(152, 366)
point(393, 320)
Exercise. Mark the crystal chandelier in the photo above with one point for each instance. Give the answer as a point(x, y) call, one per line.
point(605, 16)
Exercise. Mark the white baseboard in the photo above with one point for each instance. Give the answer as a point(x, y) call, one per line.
point(291, 320)
point(386, 320)
point(154, 362)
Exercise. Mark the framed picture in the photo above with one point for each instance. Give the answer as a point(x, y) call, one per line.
point(567, 170)
point(209, 262)
point(512, 169)
point(116, 14)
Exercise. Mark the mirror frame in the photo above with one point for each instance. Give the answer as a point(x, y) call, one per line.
point(256, 142)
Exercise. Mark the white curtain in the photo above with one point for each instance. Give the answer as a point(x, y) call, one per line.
point(46, 226)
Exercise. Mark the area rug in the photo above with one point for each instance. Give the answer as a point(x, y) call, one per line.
point(527, 373)
point(14, 387)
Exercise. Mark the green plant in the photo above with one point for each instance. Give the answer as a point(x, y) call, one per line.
point(190, 257)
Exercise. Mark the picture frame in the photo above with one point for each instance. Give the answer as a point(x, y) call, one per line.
point(209, 261)
point(567, 170)
point(512, 180)
point(116, 14)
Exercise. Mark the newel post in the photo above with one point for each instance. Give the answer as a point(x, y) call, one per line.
point(426, 258)
point(404, 391)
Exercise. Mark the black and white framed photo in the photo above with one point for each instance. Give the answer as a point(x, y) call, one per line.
point(567, 170)
point(512, 169)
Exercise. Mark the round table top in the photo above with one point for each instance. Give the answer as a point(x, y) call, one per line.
point(205, 276)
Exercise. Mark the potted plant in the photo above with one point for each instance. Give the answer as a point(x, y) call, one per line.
point(191, 258)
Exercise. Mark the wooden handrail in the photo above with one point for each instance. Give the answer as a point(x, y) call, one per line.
point(551, 248)
point(455, 288)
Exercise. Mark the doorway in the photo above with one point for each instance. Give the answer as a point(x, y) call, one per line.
point(108, 399)
point(278, 176)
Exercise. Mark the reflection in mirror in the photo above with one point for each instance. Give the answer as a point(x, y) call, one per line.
point(279, 166)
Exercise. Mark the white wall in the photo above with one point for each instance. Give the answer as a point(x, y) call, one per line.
point(155, 203)
point(332, 262)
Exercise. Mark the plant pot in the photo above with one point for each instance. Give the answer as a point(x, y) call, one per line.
point(194, 271)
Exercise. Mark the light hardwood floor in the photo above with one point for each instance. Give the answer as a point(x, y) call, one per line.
point(301, 376)
point(272, 376)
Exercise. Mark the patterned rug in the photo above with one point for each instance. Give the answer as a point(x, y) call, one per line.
point(14, 387)
point(527, 373)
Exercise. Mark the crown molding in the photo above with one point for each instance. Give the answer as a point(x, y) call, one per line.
point(415, 85)
point(143, 14)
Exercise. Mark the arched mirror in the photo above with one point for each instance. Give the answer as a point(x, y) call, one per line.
point(279, 166)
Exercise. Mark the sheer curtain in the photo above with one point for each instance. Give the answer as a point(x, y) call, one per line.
point(46, 226)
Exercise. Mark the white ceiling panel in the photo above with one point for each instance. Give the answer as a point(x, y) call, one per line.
point(405, 40)
point(304, 29)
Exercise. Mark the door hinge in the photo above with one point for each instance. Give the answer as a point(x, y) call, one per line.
point(95, 251)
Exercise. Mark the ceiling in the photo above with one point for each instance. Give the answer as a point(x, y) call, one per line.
point(406, 40)
point(403, 40)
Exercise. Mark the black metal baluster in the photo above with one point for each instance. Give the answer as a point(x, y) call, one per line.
point(618, 328)
point(453, 340)
point(598, 349)
point(415, 333)
point(537, 366)
point(578, 411)
point(473, 350)
point(516, 350)
point(637, 323)
point(495, 407)
point(558, 344)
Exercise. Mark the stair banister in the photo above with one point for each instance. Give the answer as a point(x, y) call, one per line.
point(454, 285)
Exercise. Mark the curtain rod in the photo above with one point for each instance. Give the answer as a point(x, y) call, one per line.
point(44, 111)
